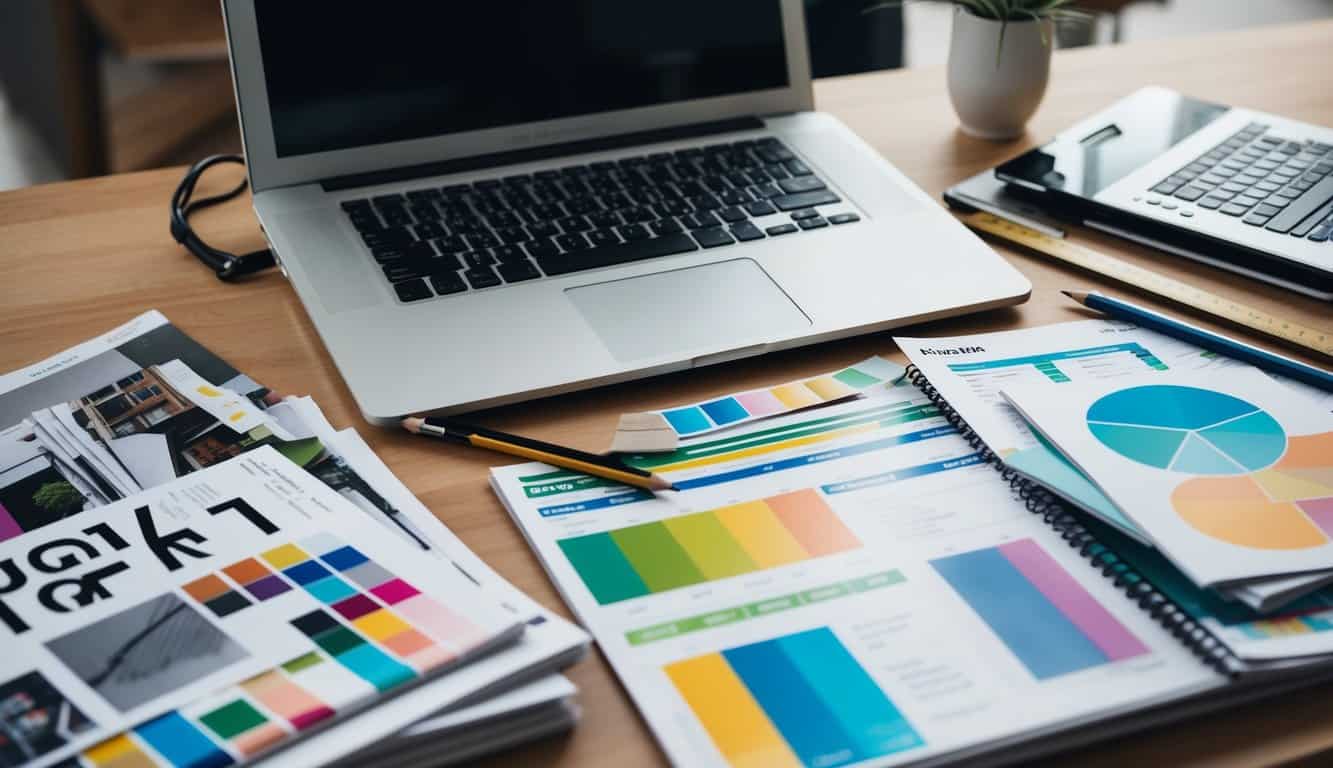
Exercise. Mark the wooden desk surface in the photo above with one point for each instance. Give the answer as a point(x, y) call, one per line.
point(79, 258)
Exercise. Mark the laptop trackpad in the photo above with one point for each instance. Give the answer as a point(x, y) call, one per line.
point(712, 307)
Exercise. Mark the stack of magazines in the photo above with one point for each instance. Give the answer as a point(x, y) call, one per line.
point(197, 571)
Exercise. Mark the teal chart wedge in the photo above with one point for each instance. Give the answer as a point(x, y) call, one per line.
point(1187, 429)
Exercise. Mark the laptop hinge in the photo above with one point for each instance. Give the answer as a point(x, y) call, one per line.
point(461, 164)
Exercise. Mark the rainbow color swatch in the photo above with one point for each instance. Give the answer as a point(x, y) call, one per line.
point(731, 410)
point(796, 700)
point(1045, 617)
point(1283, 626)
point(705, 546)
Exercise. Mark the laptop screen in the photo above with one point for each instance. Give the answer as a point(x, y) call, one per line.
point(344, 75)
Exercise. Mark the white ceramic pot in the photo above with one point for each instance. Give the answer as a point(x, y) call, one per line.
point(995, 97)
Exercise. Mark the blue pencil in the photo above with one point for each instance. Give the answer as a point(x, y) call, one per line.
point(1216, 342)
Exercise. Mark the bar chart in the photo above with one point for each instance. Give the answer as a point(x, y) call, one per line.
point(645, 559)
point(1045, 617)
point(797, 700)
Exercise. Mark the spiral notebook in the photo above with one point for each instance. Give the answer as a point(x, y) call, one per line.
point(863, 583)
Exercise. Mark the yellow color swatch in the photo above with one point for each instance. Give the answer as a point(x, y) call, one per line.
point(287, 554)
point(118, 752)
point(726, 709)
point(1290, 485)
point(380, 625)
point(829, 388)
point(763, 537)
point(795, 395)
point(1280, 627)
point(208, 391)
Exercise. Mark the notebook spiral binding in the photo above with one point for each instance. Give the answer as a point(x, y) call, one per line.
point(1053, 511)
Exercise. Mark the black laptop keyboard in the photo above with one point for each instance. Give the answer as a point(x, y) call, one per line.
point(447, 240)
point(1267, 181)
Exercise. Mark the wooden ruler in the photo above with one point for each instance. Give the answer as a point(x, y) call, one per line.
point(1155, 283)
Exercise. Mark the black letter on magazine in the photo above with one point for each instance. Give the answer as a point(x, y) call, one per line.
point(163, 546)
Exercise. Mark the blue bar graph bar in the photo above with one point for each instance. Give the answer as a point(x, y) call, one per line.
point(874, 723)
point(1042, 638)
point(813, 732)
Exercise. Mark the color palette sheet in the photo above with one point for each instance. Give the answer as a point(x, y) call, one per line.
point(645, 559)
point(797, 700)
point(1045, 617)
point(369, 630)
point(734, 409)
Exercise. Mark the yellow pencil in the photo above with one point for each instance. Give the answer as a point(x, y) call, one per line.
point(606, 467)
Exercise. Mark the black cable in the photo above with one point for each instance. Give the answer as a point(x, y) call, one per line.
point(227, 266)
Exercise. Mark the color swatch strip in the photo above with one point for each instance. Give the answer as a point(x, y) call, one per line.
point(705, 546)
point(1045, 617)
point(213, 735)
point(728, 411)
point(1287, 625)
point(797, 700)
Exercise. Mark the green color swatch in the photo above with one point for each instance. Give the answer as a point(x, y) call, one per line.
point(603, 568)
point(233, 719)
point(657, 556)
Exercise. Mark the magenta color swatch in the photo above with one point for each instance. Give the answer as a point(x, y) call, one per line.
point(9, 527)
point(394, 591)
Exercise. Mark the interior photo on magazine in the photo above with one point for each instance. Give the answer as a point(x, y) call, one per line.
point(135, 408)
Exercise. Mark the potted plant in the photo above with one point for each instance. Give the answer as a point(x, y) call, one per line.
point(1000, 61)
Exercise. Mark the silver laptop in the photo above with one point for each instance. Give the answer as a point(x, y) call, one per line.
point(481, 203)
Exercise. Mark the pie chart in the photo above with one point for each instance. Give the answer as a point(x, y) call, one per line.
point(1251, 485)
point(1187, 429)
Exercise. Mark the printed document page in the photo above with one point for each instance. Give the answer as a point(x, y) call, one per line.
point(1231, 475)
point(849, 584)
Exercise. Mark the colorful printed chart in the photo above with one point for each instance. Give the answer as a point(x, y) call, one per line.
point(704, 546)
point(1045, 617)
point(731, 410)
point(1288, 505)
point(797, 700)
point(1187, 429)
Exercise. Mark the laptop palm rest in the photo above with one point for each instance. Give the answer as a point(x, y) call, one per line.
point(688, 311)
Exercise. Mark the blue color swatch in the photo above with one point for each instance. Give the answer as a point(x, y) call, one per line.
point(1042, 637)
point(181, 743)
point(687, 420)
point(828, 710)
point(725, 411)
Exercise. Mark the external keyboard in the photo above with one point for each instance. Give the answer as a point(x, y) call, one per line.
point(1281, 185)
point(448, 240)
